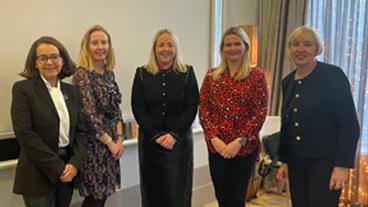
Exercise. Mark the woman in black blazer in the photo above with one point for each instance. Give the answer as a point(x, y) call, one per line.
point(48, 126)
point(164, 102)
point(319, 127)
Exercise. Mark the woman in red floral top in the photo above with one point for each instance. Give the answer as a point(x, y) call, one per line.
point(233, 107)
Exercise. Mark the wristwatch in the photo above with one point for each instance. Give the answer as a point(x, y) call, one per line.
point(243, 141)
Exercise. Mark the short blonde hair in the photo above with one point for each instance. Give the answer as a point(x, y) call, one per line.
point(305, 31)
point(245, 63)
point(85, 57)
point(152, 66)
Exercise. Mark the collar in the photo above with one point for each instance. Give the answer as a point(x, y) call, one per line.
point(48, 85)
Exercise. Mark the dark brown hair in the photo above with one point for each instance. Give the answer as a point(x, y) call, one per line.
point(30, 69)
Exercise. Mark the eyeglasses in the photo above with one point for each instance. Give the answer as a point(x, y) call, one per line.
point(44, 58)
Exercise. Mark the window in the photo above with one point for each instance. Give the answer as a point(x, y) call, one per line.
point(217, 11)
point(342, 27)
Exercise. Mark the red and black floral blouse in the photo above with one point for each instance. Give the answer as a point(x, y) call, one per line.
point(231, 108)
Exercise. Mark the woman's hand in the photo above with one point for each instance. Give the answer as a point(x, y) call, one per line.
point(338, 178)
point(231, 149)
point(218, 144)
point(70, 171)
point(282, 173)
point(120, 146)
point(167, 141)
point(114, 148)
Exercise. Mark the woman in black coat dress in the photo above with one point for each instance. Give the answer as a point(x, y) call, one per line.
point(164, 102)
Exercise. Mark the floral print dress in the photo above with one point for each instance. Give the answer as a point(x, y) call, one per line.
point(100, 105)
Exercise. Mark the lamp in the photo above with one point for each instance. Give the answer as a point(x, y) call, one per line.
point(252, 32)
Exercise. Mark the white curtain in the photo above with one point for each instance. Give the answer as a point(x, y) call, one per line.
point(343, 28)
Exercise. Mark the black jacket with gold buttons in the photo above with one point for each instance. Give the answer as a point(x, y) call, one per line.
point(318, 117)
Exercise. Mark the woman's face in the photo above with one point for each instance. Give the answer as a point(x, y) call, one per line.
point(303, 50)
point(165, 50)
point(233, 48)
point(98, 46)
point(49, 62)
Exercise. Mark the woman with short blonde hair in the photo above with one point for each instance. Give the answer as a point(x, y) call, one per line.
point(319, 125)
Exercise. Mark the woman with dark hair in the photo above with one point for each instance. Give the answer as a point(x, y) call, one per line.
point(48, 125)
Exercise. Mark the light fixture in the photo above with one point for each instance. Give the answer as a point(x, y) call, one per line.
point(252, 32)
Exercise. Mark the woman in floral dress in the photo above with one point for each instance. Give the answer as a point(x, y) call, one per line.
point(100, 98)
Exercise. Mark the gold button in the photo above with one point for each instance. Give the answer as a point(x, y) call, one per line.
point(295, 109)
point(298, 138)
point(296, 124)
point(297, 95)
point(299, 82)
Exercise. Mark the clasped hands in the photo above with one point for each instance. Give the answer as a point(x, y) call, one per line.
point(167, 141)
point(69, 172)
point(227, 151)
point(116, 148)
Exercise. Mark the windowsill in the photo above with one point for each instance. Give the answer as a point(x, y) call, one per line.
point(8, 164)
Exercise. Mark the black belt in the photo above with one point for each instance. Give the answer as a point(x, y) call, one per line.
point(64, 153)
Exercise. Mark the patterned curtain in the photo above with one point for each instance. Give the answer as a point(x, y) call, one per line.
point(343, 28)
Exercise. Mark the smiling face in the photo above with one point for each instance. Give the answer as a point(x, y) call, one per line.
point(49, 62)
point(99, 46)
point(233, 48)
point(303, 50)
point(165, 50)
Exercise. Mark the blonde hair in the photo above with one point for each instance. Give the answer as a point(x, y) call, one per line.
point(152, 66)
point(245, 63)
point(85, 57)
point(303, 31)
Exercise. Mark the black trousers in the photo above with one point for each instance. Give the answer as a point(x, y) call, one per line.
point(230, 178)
point(309, 183)
point(61, 196)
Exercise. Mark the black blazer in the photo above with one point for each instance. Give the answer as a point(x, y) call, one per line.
point(36, 127)
point(165, 102)
point(318, 117)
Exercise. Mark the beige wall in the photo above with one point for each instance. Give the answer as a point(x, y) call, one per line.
point(240, 12)
point(132, 24)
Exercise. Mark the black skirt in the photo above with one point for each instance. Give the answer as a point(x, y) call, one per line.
point(166, 175)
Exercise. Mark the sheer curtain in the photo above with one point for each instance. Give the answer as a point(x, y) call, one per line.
point(343, 28)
